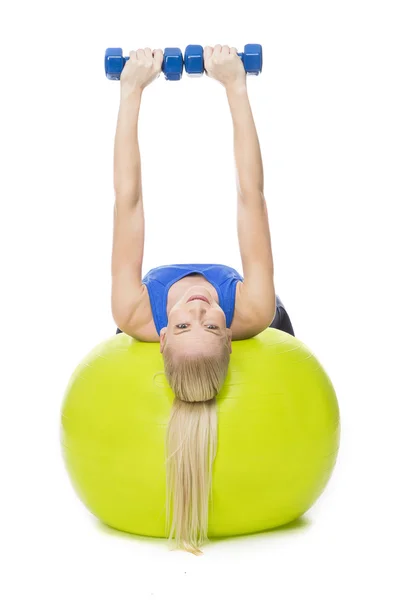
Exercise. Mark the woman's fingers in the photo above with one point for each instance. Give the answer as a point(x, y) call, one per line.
point(217, 49)
point(147, 53)
point(158, 57)
point(208, 51)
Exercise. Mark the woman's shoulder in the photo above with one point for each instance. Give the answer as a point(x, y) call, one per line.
point(141, 326)
point(244, 324)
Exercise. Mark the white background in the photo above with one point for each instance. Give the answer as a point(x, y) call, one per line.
point(327, 112)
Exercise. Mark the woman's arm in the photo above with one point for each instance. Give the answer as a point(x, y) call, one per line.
point(127, 167)
point(249, 166)
point(258, 290)
point(128, 237)
point(257, 298)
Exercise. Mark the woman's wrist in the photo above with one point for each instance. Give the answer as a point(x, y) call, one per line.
point(237, 88)
point(131, 94)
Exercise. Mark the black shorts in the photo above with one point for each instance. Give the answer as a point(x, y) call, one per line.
point(281, 319)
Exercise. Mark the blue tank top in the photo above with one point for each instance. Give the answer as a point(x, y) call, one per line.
point(159, 280)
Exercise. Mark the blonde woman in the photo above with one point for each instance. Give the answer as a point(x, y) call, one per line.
point(193, 310)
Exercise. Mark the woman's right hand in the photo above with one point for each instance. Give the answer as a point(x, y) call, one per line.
point(225, 65)
point(141, 69)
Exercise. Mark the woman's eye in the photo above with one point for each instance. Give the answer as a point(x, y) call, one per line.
point(184, 325)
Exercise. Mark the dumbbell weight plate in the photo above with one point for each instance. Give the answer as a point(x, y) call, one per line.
point(194, 60)
point(114, 62)
point(253, 59)
point(172, 64)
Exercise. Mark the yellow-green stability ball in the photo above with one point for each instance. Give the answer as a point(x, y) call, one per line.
point(278, 435)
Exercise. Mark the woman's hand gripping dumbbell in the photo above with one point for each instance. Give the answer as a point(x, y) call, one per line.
point(223, 64)
point(143, 67)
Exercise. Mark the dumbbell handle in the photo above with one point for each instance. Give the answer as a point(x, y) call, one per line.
point(172, 63)
point(251, 58)
point(125, 58)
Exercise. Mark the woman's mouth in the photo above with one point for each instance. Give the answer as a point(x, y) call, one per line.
point(203, 298)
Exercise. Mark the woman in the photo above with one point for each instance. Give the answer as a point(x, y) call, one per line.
point(194, 311)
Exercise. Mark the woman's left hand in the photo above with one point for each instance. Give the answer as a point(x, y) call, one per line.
point(141, 69)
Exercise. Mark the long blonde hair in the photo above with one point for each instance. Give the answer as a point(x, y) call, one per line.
point(191, 442)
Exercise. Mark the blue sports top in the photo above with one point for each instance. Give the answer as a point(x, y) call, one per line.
point(159, 280)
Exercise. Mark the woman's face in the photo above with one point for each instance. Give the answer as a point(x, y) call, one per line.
point(196, 325)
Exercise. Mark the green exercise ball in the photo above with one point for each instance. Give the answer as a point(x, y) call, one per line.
point(278, 435)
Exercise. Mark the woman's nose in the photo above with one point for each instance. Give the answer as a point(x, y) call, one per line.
point(199, 308)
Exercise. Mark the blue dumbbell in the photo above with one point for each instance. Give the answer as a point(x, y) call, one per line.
point(172, 66)
point(251, 57)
